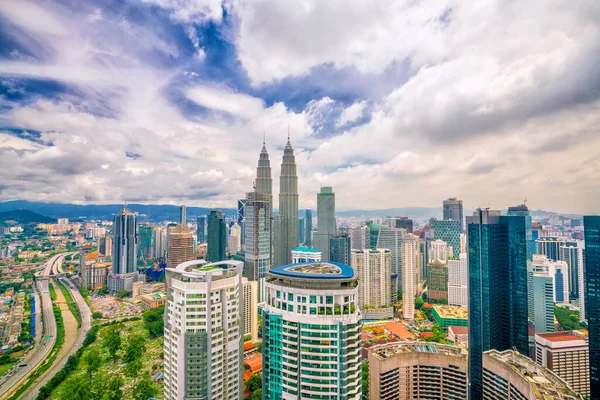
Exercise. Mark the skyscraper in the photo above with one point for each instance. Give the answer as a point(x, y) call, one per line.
point(550, 246)
point(301, 230)
point(201, 221)
point(543, 302)
point(373, 268)
point(453, 209)
point(288, 207)
point(410, 264)
point(308, 228)
point(124, 260)
point(183, 215)
point(591, 226)
point(388, 239)
point(217, 236)
point(250, 309)
point(404, 223)
point(203, 331)
point(181, 246)
point(311, 333)
point(458, 281)
point(339, 248)
point(146, 242)
point(257, 220)
point(326, 225)
point(448, 231)
point(359, 238)
point(241, 206)
point(499, 247)
point(234, 242)
point(572, 253)
point(437, 280)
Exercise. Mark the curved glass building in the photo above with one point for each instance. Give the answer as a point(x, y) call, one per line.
point(311, 332)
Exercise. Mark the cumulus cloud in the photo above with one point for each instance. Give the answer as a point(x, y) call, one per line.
point(352, 113)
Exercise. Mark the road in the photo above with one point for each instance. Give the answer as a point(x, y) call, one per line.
point(40, 351)
point(86, 316)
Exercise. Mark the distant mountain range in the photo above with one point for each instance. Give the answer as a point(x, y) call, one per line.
point(25, 217)
point(159, 213)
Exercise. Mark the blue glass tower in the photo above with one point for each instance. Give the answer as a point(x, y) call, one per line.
point(499, 252)
point(448, 231)
point(591, 226)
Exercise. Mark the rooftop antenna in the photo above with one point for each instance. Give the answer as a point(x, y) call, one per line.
point(288, 133)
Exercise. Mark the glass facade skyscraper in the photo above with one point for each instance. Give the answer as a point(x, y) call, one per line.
point(339, 248)
point(499, 251)
point(288, 208)
point(201, 221)
point(448, 231)
point(217, 236)
point(591, 226)
point(308, 228)
point(326, 225)
point(453, 209)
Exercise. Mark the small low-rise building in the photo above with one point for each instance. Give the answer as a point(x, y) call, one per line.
point(458, 334)
point(450, 315)
point(154, 300)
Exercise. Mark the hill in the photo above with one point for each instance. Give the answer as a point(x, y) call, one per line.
point(25, 217)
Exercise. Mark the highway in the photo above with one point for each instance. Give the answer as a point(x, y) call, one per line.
point(43, 348)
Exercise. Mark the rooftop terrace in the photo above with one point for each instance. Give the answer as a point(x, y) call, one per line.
point(385, 351)
point(315, 270)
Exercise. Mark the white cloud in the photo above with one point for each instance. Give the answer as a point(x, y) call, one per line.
point(196, 11)
point(223, 99)
point(352, 113)
point(32, 17)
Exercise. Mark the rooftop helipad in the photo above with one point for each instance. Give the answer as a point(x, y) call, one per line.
point(315, 270)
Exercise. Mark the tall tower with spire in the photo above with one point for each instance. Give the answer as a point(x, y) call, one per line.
point(287, 240)
point(257, 220)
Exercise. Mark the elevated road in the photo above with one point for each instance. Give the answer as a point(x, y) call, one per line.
point(39, 353)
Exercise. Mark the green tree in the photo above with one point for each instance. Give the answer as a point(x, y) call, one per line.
point(254, 383)
point(135, 348)
point(256, 395)
point(113, 389)
point(133, 369)
point(97, 315)
point(112, 342)
point(154, 322)
point(79, 388)
point(144, 390)
point(247, 338)
point(121, 294)
point(93, 361)
point(365, 380)
point(419, 303)
point(103, 290)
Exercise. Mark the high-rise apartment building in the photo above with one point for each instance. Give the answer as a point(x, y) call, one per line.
point(288, 208)
point(591, 227)
point(203, 353)
point(543, 304)
point(201, 228)
point(448, 231)
point(510, 375)
point(373, 268)
point(250, 309)
point(124, 260)
point(410, 279)
point(181, 247)
point(312, 331)
point(359, 238)
point(458, 281)
point(409, 371)
point(390, 239)
point(216, 236)
point(499, 272)
point(339, 248)
point(453, 210)
point(567, 355)
point(308, 230)
point(326, 225)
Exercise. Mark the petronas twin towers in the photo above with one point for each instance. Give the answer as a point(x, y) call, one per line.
point(270, 238)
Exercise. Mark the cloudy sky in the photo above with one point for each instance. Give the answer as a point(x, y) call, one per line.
point(393, 103)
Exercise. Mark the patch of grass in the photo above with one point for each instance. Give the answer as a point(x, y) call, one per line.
point(52, 292)
point(5, 367)
point(70, 303)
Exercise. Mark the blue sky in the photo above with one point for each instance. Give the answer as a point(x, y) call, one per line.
point(393, 103)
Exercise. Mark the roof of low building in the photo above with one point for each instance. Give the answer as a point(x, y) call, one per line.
point(459, 330)
point(254, 362)
point(454, 312)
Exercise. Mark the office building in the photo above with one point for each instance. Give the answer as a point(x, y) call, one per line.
point(201, 229)
point(409, 371)
point(183, 215)
point(316, 305)
point(558, 272)
point(509, 375)
point(439, 250)
point(550, 247)
point(448, 231)
point(499, 288)
point(234, 239)
point(161, 243)
point(241, 205)
point(308, 230)
point(301, 231)
point(374, 271)
point(146, 242)
point(326, 225)
point(339, 248)
point(458, 280)
point(250, 309)
point(216, 236)
point(543, 289)
point(304, 254)
point(359, 238)
point(105, 246)
point(203, 354)
point(572, 253)
point(453, 210)
point(567, 355)
point(124, 261)
point(591, 227)
point(288, 208)
point(181, 247)
point(391, 239)
point(410, 279)
point(404, 223)
point(257, 255)
point(437, 280)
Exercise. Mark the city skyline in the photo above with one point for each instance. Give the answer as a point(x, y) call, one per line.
point(179, 118)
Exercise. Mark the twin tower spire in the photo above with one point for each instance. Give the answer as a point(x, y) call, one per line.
point(285, 224)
